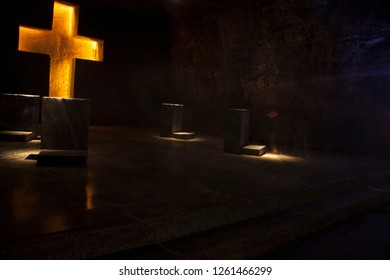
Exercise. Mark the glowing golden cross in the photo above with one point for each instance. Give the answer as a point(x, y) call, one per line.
point(63, 45)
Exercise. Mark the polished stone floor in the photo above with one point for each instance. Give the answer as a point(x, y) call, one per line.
point(361, 238)
point(135, 177)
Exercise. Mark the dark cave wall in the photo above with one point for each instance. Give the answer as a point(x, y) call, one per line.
point(135, 77)
point(313, 73)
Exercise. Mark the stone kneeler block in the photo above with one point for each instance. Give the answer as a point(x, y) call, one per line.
point(65, 129)
point(237, 134)
point(171, 122)
point(19, 117)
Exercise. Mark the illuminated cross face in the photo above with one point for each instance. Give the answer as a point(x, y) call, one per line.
point(63, 45)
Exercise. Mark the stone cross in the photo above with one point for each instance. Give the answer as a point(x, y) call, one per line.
point(63, 45)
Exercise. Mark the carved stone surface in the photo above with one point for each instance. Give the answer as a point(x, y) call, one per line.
point(65, 123)
point(20, 112)
point(63, 45)
point(171, 119)
point(236, 130)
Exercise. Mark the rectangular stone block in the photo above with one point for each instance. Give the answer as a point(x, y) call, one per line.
point(65, 123)
point(20, 112)
point(236, 130)
point(171, 119)
point(253, 150)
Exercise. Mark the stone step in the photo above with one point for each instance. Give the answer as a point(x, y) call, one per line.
point(16, 136)
point(260, 236)
point(254, 150)
point(62, 158)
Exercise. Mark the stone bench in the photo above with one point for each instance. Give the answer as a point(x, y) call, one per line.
point(171, 122)
point(237, 134)
point(19, 119)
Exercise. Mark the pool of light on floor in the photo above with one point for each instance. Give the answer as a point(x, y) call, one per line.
point(275, 157)
point(20, 153)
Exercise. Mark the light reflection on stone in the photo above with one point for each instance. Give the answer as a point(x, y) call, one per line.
point(90, 191)
point(55, 223)
point(25, 205)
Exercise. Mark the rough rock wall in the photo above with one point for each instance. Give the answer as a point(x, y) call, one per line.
point(313, 73)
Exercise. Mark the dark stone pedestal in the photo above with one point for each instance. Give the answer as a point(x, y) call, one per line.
point(171, 119)
point(171, 122)
point(19, 117)
point(65, 127)
point(237, 134)
point(236, 130)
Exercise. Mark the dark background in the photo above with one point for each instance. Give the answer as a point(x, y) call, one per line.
point(314, 73)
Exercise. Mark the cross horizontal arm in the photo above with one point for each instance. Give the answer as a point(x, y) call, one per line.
point(88, 48)
point(34, 40)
